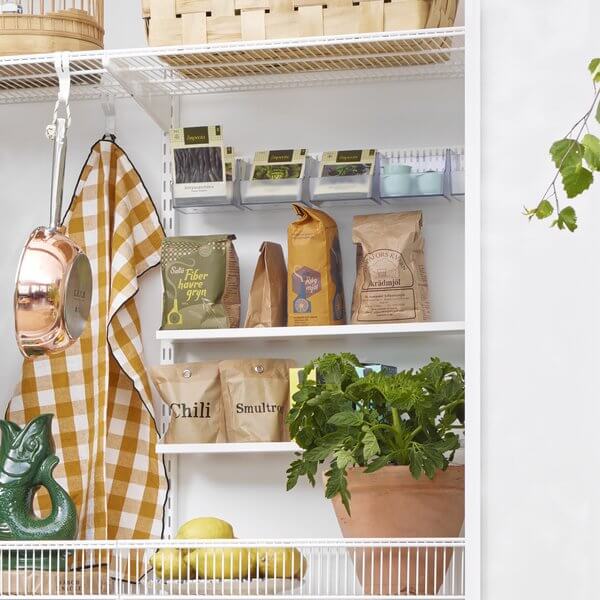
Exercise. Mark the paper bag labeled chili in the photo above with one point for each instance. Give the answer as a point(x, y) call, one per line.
point(192, 393)
point(201, 282)
point(256, 398)
point(391, 283)
point(315, 290)
point(267, 302)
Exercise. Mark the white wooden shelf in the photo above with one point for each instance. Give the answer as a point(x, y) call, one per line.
point(229, 448)
point(384, 330)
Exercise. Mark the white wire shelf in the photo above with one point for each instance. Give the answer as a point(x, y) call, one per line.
point(229, 448)
point(420, 569)
point(240, 66)
point(384, 330)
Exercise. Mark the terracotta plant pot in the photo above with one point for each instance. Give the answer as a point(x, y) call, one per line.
point(390, 503)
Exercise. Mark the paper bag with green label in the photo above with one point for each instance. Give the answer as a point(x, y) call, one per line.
point(201, 282)
point(315, 290)
point(192, 393)
point(391, 283)
point(256, 398)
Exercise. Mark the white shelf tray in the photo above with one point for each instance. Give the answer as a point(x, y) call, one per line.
point(315, 332)
point(229, 448)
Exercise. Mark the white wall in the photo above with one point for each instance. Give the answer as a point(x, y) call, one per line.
point(540, 310)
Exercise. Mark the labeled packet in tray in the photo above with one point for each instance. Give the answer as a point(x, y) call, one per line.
point(279, 164)
point(198, 162)
point(346, 163)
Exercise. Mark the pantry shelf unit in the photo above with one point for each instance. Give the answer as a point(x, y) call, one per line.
point(229, 448)
point(147, 73)
point(384, 330)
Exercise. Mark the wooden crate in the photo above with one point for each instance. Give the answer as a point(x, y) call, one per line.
point(47, 26)
point(176, 22)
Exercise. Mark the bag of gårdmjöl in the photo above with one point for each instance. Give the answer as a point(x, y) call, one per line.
point(391, 282)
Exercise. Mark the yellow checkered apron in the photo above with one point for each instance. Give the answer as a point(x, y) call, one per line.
point(105, 427)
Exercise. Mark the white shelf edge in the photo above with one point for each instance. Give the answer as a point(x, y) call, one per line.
point(229, 448)
point(314, 332)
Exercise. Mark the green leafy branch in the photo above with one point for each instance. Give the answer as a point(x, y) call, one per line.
point(576, 159)
point(379, 420)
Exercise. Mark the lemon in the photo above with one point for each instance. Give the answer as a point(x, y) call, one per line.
point(280, 562)
point(205, 528)
point(221, 563)
point(169, 563)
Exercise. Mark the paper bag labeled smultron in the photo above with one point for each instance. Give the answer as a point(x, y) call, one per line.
point(267, 302)
point(391, 282)
point(256, 398)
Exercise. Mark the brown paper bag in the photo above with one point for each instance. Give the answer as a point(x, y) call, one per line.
point(192, 393)
point(267, 302)
point(315, 289)
point(256, 398)
point(391, 283)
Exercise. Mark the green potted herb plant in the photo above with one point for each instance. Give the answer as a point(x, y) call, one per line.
point(388, 441)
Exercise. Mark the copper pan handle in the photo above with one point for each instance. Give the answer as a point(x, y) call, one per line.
point(58, 172)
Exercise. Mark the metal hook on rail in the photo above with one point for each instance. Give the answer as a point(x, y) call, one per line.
point(62, 107)
point(110, 116)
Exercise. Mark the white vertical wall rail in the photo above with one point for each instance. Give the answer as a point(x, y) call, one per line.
point(167, 347)
point(473, 299)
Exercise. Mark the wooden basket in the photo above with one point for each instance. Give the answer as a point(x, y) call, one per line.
point(44, 26)
point(176, 22)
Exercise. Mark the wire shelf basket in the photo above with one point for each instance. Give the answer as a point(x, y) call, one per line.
point(426, 569)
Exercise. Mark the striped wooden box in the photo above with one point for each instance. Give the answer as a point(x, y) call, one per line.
point(175, 22)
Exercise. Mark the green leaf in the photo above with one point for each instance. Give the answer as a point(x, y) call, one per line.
point(344, 459)
point(346, 419)
point(543, 210)
point(567, 153)
point(318, 454)
point(293, 473)
point(378, 463)
point(576, 180)
point(337, 483)
point(598, 113)
point(594, 68)
point(592, 151)
point(566, 218)
point(370, 445)
point(415, 462)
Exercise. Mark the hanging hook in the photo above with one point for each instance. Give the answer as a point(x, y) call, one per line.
point(63, 72)
point(110, 116)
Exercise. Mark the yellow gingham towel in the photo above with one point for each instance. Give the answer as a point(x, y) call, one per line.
point(105, 429)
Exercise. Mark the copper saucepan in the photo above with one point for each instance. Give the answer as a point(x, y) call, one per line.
point(53, 292)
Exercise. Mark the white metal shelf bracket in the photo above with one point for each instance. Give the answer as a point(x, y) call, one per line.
point(157, 106)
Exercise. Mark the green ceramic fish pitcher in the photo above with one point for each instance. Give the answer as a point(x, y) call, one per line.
point(27, 460)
